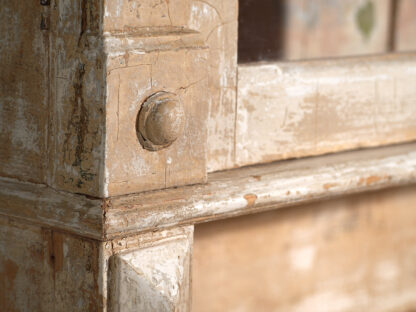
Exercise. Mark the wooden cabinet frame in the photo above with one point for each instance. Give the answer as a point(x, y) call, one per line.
point(74, 173)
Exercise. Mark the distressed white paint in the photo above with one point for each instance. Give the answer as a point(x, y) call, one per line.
point(152, 278)
point(298, 109)
point(227, 193)
point(265, 187)
point(40, 204)
point(217, 23)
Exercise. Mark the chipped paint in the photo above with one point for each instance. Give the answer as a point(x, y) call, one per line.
point(251, 199)
point(217, 23)
point(280, 185)
point(39, 277)
point(287, 110)
point(139, 282)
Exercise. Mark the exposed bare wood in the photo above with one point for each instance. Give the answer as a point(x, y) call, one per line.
point(45, 270)
point(68, 272)
point(260, 188)
point(142, 48)
point(43, 205)
point(100, 99)
point(133, 75)
point(300, 109)
point(126, 15)
point(226, 194)
point(18, 242)
point(76, 120)
point(217, 22)
point(23, 102)
point(94, 64)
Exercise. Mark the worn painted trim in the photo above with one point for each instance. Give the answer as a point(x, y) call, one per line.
point(298, 109)
point(228, 193)
point(264, 187)
point(39, 204)
point(152, 273)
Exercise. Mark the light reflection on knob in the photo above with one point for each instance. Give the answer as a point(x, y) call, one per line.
point(160, 121)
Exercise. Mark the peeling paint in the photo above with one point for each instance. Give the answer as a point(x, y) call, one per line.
point(251, 199)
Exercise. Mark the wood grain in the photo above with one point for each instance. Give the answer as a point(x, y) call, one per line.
point(299, 109)
point(69, 119)
point(216, 20)
point(153, 278)
point(173, 63)
point(76, 118)
point(227, 194)
point(260, 188)
point(39, 204)
point(42, 269)
point(46, 270)
point(24, 91)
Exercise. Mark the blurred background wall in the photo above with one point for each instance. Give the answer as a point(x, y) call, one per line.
point(356, 253)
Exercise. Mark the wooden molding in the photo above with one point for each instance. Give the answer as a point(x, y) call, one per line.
point(299, 109)
point(71, 97)
point(153, 278)
point(228, 193)
point(40, 204)
point(263, 187)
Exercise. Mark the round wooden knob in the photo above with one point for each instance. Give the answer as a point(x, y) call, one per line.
point(161, 121)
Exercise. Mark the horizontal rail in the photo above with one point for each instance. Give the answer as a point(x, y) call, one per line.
point(298, 109)
point(228, 193)
point(264, 187)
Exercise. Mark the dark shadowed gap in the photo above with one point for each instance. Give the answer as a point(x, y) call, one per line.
point(260, 30)
point(391, 44)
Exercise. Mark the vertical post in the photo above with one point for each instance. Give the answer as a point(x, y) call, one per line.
point(154, 275)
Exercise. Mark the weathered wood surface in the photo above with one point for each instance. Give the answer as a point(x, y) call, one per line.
point(96, 62)
point(153, 278)
point(405, 26)
point(227, 193)
point(355, 253)
point(259, 188)
point(147, 47)
point(51, 96)
point(299, 109)
point(42, 269)
point(45, 270)
point(24, 85)
point(304, 29)
point(77, 113)
point(74, 76)
point(311, 242)
point(39, 204)
point(73, 111)
point(132, 77)
point(217, 22)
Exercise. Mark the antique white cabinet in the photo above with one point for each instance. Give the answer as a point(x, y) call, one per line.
point(125, 126)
